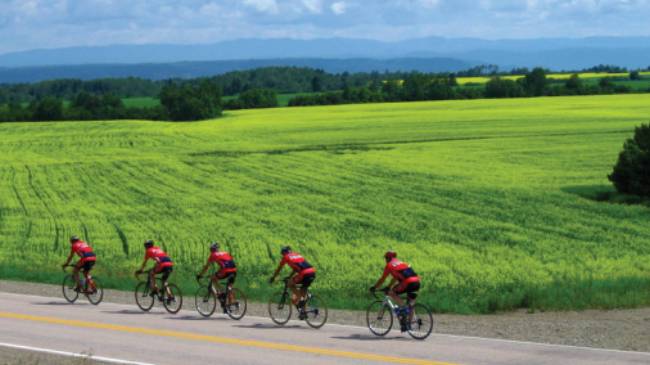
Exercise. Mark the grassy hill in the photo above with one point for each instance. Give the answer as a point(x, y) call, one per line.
point(494, 202)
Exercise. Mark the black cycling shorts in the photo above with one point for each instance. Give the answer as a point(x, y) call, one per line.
point(410, 290)
point(307, 280)
point(166, 271)
point(230, 277)
point(87, 266)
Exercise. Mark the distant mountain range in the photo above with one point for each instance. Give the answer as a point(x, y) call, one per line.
point(334, 54)
point(161, 71)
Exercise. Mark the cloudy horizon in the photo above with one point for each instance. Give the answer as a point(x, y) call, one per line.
point(30, 24)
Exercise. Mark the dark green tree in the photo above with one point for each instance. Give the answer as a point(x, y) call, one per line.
point(535, 82)
point(631, 173)
point(635, 75)
point(47, 108)
point(191, 102)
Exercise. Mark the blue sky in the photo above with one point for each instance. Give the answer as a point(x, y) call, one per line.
point(28, 24)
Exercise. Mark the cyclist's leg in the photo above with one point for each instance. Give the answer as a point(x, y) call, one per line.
point(229, 284)
point(394, 294)
point(152, 278)
point(87, 266)
point(165, 276)
point(295, 293)
point(75, 274)
point(306, 282)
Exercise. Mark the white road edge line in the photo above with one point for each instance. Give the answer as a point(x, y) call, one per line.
point(72, 354)
point(434, 334)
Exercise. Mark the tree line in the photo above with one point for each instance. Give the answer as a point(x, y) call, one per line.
point(419, 86)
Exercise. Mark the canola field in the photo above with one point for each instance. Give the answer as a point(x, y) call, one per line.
point(495, 203)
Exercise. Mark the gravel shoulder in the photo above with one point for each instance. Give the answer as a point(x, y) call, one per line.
point(626, 329)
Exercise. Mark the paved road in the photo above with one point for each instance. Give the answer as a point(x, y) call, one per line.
point(117, 331)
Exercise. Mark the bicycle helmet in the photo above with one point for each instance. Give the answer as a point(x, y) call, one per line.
point(148, 243)
point(389, 255)
point(285, 250)
point(214, 246)
point(74, 239)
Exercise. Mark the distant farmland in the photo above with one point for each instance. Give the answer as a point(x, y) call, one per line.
point(554, 76)
point(496, 203)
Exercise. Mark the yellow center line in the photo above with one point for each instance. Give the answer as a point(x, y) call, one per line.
point(224, 340)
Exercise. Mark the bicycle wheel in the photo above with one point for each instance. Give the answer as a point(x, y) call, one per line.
point(237, 308)
point(95, 292)
point(379, 318)
point(205, 301)
point(316, 311)
point(280, 308)
point(143, 297)
point(68, 288)
point(420, 321)
point(173, 303)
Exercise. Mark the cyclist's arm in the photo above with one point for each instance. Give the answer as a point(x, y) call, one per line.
point(205, 268)
point(67, 261)
point(382, 279)
point(277, 271)
point(143, 264)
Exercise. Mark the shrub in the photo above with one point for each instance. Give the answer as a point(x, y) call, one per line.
point(631, 173)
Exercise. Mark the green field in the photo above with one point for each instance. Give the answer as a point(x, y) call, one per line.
point(494, 202)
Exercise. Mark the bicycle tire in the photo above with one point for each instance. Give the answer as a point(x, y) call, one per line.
point(241, 305)
point(68, 288)
point(316, 311)
point(205, 301)
point(421, 322)
point(379, 318)
point(143, 297)
point(280, 308)
point(98, 295)
point(173, 305)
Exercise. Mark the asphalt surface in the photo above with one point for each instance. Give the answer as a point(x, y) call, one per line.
point(122, 333)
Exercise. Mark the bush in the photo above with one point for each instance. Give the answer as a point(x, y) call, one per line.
point(631, 173)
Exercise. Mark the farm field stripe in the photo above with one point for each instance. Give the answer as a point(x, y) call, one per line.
point(72, 354)
point(223, 340)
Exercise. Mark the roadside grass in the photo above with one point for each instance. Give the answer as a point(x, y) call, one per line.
point(485, 198)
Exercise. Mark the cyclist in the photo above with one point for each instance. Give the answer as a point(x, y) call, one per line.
point(227, 270)
point(303, 274)
point(163, 265)
point(407, 282)
point(86, 261)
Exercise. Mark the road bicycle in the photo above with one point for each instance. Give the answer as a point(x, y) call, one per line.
point(233, 302)
point(380, 313)
point(168, 294)
point(91, 288)
point(314, 310)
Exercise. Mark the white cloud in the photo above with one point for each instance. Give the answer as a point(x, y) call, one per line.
point(263, 6)
point(313, 6)
point(339, 7)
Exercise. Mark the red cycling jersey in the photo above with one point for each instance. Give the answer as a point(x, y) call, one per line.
point(401, 271)
point(157, 254)
point(225, 262)
point(84, 251)
point(297, 263)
